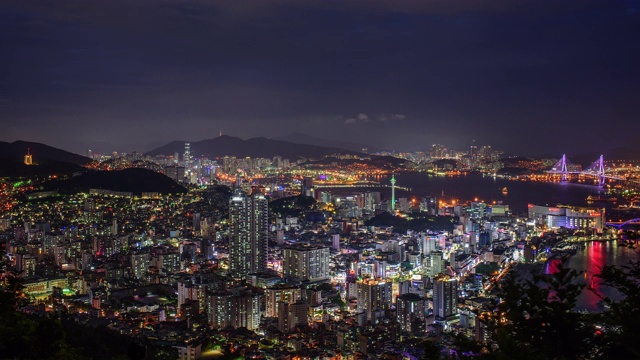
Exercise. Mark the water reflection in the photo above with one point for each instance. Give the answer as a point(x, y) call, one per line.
point(590, 260)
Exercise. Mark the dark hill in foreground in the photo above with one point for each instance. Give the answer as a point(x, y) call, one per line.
point(47, 160)
point(11, 168)
point(132, 180)
point(259, 147)
point(42, 154)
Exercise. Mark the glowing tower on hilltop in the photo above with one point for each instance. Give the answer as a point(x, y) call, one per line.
point(393, 193)
point(28, 159)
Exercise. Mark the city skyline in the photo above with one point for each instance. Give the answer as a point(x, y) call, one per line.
point(525, 77)
point(186, 253)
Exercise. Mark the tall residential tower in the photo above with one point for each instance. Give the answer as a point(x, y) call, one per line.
point(445, 296)
point(187, 156)
point(249, 231)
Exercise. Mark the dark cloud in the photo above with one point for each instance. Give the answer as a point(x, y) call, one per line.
point(543, 76)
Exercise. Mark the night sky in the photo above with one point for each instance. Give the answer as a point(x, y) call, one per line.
point(527, 77)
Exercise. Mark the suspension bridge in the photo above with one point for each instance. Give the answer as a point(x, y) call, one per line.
point(563, 168)
point(621, 224)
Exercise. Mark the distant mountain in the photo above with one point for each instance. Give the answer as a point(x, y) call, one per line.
point(47, 160)
point(132, 180)
point(300, 138)
point(42, 154)
point(255, 147)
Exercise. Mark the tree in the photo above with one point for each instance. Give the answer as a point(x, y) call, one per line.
point(536, 318)
point(431, 350)
point(620, 329)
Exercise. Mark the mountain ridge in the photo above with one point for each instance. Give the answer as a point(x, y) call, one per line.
point(306, 139)
point(47, 160)
point(256, 147)
point(41, 153)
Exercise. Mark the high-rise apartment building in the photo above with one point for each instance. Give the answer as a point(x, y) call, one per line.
point(139, 264)
point(187, 155)
point(305, 262)
point(409, 308)
point(374, 297)
point(188, 291)
point(445, 296)
point(277, 294)
point(175, 172)
point(248, 234)
point(305, 186)
point(238, 309)
point(437, 263)
point(245, 311)
point(219, 309)
point(371, 200)
point(292, 315)
point(26, 264)
point(167, 262)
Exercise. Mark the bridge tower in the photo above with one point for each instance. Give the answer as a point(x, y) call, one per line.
point(563, 168)
point(601, 174)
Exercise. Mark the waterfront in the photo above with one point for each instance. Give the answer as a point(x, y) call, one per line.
point(489, 189)
point(589, 260)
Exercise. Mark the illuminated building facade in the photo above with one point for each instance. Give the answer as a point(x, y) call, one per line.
point(374, 297)
point(188, 291)
point(248, 234)
point(245, 311)
point(305, 262)
point(277, 294)
point(569, 217)
point(219, 310)
point(445, 296)
point(437, 263)
point(139, 264)
point(409, 309)
point(187, 155)
point(238, 309)
point(44, 287)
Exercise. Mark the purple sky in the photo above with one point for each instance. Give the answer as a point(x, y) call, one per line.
point(524, 76)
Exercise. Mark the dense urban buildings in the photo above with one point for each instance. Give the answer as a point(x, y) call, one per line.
point(337, 181)
point(353, 268)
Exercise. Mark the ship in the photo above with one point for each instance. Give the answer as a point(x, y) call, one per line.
point(598, 198)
